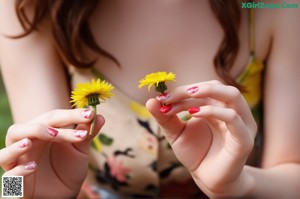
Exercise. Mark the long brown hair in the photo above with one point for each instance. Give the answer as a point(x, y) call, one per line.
point(228, 15)
point(72, 32)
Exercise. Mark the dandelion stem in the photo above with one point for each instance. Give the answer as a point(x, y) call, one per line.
point(93, 101)
point(93, 121)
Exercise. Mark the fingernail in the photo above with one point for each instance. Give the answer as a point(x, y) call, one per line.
point(163, 97)
point(30, 165)
point(194, 110)
point(24, 143)
point(192, 90)
point(53, 132)
point(80, 133)
point(166, 108)
point(86, 113)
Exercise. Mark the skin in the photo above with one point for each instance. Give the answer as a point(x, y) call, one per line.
point(145, 43)
point(51, 152)
point(11, 153)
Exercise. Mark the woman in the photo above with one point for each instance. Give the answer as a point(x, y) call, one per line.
point(200, 41)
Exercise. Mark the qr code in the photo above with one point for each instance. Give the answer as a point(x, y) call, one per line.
point(12, 186)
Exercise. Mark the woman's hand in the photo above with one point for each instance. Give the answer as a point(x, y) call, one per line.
point(11, 153)
point(57, 154)
point(215, 143)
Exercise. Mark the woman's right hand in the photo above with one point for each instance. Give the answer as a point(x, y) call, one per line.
point(55, 154)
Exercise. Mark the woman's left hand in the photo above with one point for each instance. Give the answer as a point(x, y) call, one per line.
point(216, 142)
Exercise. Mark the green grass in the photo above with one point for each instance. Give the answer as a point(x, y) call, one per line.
point(5, 116)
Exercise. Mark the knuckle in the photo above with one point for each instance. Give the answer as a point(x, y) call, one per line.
point(209, 110)
point(254, 129)
point(235, 92)
point(37, 127)
point(11, 129)
point(216, 82)
point(10, 135)
point(51, 114)
point(232, 115)
point(208, 88)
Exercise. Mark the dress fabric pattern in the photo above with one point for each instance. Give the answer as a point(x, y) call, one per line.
point(131, 158)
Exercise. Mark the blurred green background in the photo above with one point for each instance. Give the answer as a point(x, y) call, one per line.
point(5, 115)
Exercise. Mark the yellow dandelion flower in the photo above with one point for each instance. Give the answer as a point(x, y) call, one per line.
point(89, 94)
point(158, 80)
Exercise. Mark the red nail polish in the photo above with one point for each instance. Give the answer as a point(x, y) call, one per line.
point(192, 90)
point(166, 108)
point(194, 110)
point(53, 132)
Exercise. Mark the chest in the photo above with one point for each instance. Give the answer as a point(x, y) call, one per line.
point(174, 36)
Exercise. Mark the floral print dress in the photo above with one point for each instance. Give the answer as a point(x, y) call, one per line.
point(130, 158)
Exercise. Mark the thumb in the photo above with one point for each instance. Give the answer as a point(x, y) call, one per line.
point(172, 126)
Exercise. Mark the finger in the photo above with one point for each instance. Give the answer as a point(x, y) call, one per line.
point(211, 89)
point(182, 92)
point(172, 126)
point(22, 170)
point(10, 153)
point(238, 129)
point(184, 105)
point(42, 132)
point(84, 146)
point(221, 92)
point(65, 117)
point(76, 152)
point(228, 95)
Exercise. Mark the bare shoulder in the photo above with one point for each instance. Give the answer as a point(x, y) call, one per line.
point(283, 22)
point(275, 20)
point(278, 14)
point(9, 23)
